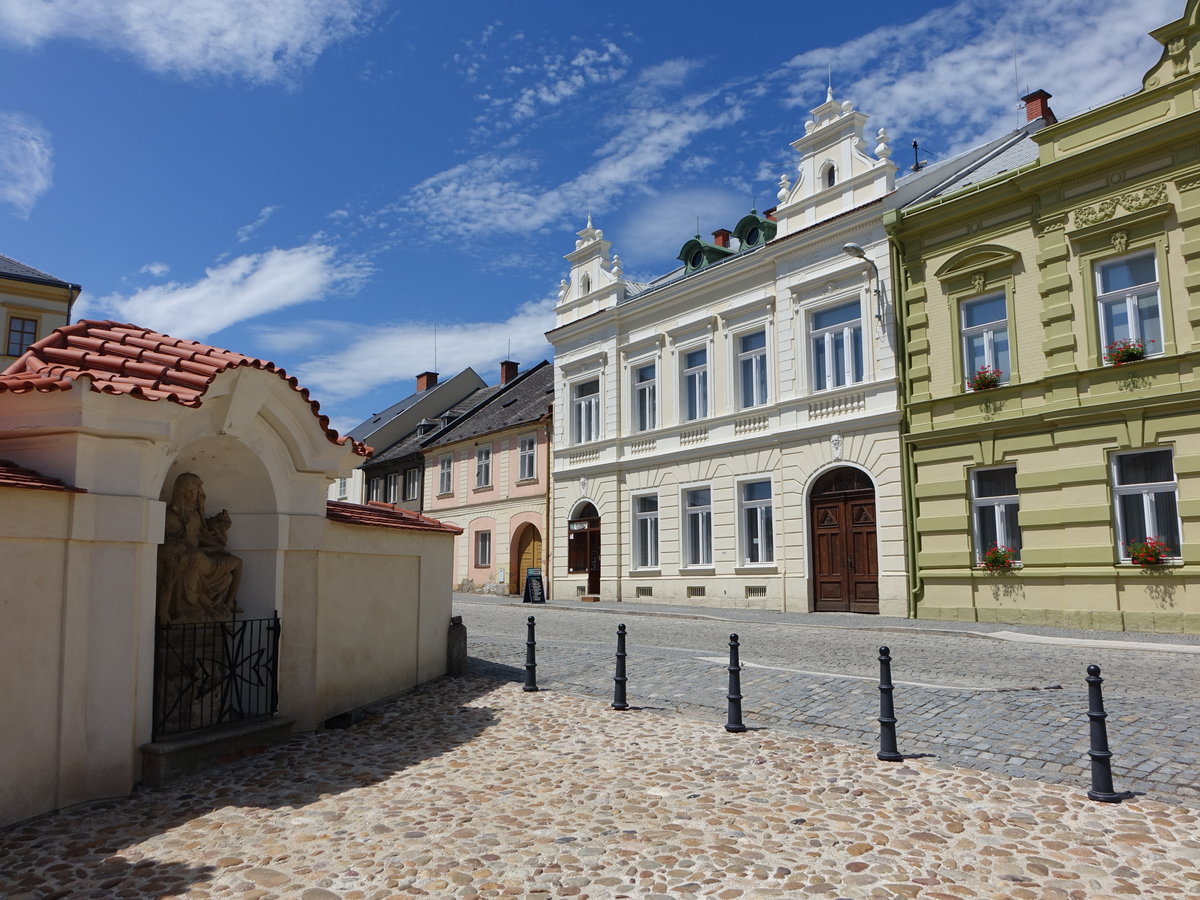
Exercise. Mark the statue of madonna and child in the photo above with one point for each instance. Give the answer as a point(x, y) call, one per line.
point(197, 577)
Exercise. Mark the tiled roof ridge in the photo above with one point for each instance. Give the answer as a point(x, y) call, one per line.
point(121, 358)
point(14, 475)
point(384, 515)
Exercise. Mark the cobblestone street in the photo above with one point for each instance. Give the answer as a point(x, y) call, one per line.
point(472, 788)
point(996, 698)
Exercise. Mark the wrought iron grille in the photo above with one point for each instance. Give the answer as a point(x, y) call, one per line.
point(214, 673)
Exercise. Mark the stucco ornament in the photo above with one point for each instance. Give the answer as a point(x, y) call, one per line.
point(835, 446)
point(1120, 240)
point(978, 282)
point(198, 578)
point(1131, 202)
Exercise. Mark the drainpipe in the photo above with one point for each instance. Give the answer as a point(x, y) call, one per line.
point(548, 523)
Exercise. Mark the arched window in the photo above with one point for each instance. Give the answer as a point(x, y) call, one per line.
point(830, 175)
point(585, 285)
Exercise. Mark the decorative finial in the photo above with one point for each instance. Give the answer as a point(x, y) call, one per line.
point(563, 287)
point(785, 187)
point(589, 224)
point(883, 149)
point(616, 265)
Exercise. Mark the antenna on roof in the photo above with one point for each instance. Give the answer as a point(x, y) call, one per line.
point(509, 349)
point(697, 226)
point(831, 78)
point(916, 166)
point(1016, 77)
point(435, 346)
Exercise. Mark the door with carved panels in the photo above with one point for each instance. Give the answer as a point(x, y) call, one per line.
point(845, 549)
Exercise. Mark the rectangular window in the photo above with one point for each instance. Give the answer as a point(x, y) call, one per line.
point(1147, 500)
point(695, 384)
point(837, 346)
point(527, 455)
point(752, 369)
point(483, 467)
point(758, 530)
point(645, 405)
point(21, 333)
point(985, 336)
point(585, 412)
point(412, 484)
point(375, 489)
point(483, 548)
point(995, 510)
point(645, 532)
point(446, 475)
point(390, 489)
point(1127, 291)
point(341, 488)
point(697, 510)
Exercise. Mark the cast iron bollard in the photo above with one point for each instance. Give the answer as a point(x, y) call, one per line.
point(456, 648)
point(887, 712)
point(530, 660)
point(619, 679)
point(734, 722)
point(1102, 782)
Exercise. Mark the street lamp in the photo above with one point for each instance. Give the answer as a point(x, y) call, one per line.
point(858, 252)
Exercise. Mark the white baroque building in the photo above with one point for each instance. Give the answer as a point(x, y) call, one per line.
point(728, 434)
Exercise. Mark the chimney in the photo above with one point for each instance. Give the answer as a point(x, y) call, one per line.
point(1037, 106)
point(721, 237)
point(508, 371)
point(426, 380)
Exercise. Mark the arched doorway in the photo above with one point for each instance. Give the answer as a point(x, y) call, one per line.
point(583, 545)
point(845, 550)
point(526, 555)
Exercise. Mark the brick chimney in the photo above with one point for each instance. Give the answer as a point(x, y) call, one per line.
point(721, 237)
point(1037, 106)
point(508, 371)
point(426, 380)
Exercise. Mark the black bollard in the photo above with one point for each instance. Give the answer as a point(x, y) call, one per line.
point(734, 722)
point(530, 660)
point(887, 712)
point(1102, 782)
point(619, 679)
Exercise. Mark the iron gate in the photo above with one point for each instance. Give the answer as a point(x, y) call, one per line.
point(214, 673)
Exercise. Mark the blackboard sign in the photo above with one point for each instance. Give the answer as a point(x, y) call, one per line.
point(535, 591)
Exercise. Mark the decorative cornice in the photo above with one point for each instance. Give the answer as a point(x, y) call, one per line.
point(1133, 201)
point(1188, 182)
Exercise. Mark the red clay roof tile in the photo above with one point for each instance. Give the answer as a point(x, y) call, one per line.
point(126, 359)
point(384, 515)
point(12, 475)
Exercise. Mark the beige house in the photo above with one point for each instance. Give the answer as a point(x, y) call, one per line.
point(33, 303)
point(488, 474)
point(97, 421)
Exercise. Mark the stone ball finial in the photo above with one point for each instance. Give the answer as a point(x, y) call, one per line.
point(847, 107)
point(785, 187)
point(883, 149)
point(616, 265)
point(563, 286)
point(809, 126)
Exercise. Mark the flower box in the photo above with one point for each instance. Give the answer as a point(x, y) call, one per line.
point(985, 379)
point(1126, 350)
point(1150, 552)
point(997, 558)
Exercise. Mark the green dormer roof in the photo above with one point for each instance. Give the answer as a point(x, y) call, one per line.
point(754, 230)
point(696, 254)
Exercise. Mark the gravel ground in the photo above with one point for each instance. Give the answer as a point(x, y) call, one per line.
point(473, 788)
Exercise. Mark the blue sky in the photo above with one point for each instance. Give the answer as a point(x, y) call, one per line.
point(327, 183)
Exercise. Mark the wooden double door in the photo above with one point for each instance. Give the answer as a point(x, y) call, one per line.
point(583, 546)
point(845, 565)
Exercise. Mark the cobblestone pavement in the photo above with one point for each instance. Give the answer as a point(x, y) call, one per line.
point(988, 700)
point(471, 788)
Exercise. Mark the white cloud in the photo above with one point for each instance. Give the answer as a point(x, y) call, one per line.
point(157, 269)
point(949, 75)
point(237, 290)
point(659, 225)
point(395, 353)
point(261, 41)
point(247, 231)
point(26, 162)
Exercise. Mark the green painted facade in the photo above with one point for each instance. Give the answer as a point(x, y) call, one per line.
point(1113, 198)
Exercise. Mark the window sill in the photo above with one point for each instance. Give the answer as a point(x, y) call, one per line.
point(1176, 563)
point(533, 480)
point(446, 494)
point(645, 572)
point(483, 488)
point(756, 569)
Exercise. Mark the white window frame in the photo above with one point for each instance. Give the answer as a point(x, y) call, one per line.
point(1134, 298)
point(1008, 533)
point(697, 519)
point(483, 549)
point(392, 490)
point(758, 359)
point(989, 330)
point(527, 457)
point(375, 489)
point(645, 394)
point(751, 555)
point(342, 488)
point(693, 382)
point(412, 484)
point(827, 337)
point(446, 474)
point(645, 532)
point(586, 424)
point(483, 467)
point(1149, 490)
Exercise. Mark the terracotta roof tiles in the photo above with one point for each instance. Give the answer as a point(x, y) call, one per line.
point(385, 515)
point(13, 475)
point(118, 358)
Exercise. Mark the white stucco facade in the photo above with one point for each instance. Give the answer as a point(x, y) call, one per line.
point(727, 390)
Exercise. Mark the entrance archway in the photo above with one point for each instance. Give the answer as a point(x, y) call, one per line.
point(526, 554)
point(845, 550)
point(583, 545)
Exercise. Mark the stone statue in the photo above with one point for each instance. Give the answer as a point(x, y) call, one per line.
point(197, 577)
